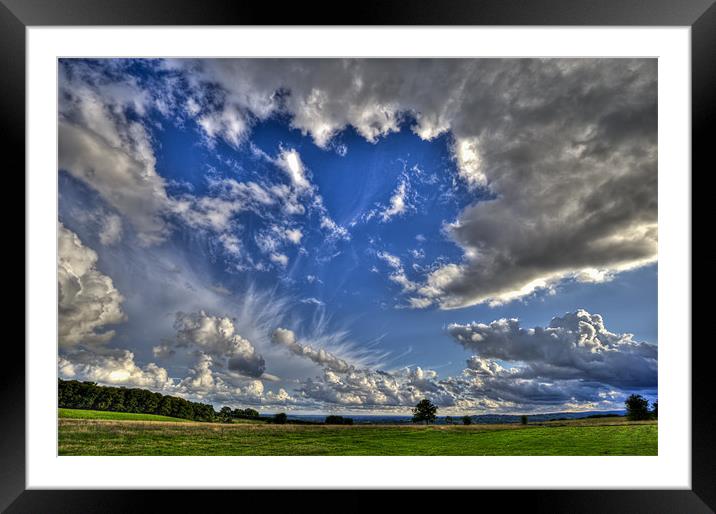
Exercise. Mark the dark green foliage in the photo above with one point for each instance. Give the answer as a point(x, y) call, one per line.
point(279, 419)
point(73, 394)
point(466, 420)
point(225, 414)
point(449, 420)
point(243, 413)
point(637, 407)
point(338, 420)
point(523, 420)
point(655, 410)
point(424, 412)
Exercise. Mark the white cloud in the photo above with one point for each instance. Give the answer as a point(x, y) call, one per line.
point(102, 147)
point(469, 162)
point(398, 275)
point(114, 368)
point(313, 301)
point(287, 338)
point(417, 253)
point(215, 336)
point(279, 258)
point(87, 300)
point(290, 162)
point(397, 203)
point(335, 231)
point(294, 235)
point(230, 124)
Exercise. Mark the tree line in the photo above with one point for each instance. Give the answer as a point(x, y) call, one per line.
point(73, 394)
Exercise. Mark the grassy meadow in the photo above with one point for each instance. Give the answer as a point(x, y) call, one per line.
point(115, 416)
point(81, 434)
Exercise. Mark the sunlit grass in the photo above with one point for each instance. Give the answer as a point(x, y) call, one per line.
point(119, 416)
point(98, 437)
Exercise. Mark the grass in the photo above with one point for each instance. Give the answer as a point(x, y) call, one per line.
point(116, 416)
point(130, 416)
point(601, 437)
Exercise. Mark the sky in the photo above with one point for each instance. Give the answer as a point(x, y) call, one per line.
point(355, 235)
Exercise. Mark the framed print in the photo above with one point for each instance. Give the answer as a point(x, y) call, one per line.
point(437, 247)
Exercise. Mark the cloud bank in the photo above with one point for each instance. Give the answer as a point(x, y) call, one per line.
point(574, 347)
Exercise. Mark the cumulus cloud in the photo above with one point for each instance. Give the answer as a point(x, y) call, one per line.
point(564, 149)
point(576, 346)
point(359, 388)
point(87, 300)
point(574, 364)
point(100, 145)
point(116, 367)
point(215, 336)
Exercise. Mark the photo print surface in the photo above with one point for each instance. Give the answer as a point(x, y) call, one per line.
point(357, 256)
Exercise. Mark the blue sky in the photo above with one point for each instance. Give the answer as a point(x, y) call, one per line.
point(352, 236)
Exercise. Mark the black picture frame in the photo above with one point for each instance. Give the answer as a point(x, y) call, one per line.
point(700, 15)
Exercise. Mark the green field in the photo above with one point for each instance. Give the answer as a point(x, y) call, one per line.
point(113, 437)
point(131, 416)
point(117, 416)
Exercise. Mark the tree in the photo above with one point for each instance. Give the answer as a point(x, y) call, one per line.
point(655, 410)
point(225, 414)
point(523, 420)
point(424, 411)
point(280, 418)
point(466, 420)
point(637, 407)
point(448, 420)
point(338, 420)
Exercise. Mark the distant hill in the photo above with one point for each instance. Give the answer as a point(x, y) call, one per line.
point(487, 419)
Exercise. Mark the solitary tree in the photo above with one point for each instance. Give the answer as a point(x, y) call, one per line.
point(637, 407)
point(338, 420)
point(466, 420)
point(225, 414)
point(523, 420)
point(280, 418)
point(424, 411)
